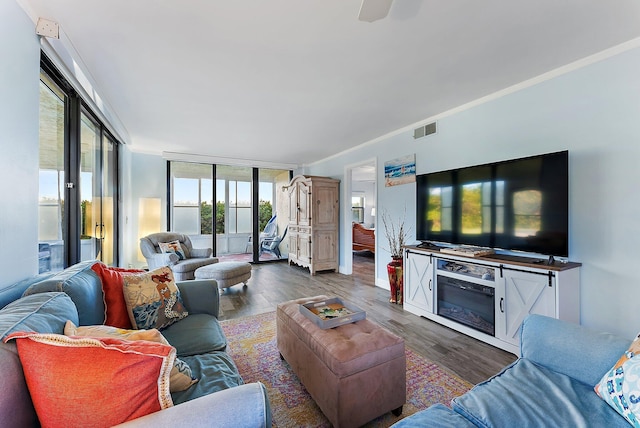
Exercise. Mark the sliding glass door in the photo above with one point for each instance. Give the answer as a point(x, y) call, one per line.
point(98, 178)
point(191, 202)
point(51, 202)
point(273, 214)
point(235, 221)
point(248, 221)
point(78, 180)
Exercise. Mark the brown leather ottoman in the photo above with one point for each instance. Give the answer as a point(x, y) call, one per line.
point(355, 372)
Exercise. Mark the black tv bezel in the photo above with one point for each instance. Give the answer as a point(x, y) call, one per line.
point(456, 238)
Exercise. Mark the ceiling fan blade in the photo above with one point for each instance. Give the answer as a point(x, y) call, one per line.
point(372, 10)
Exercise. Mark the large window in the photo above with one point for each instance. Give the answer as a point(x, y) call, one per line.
point(192, 196)
point(240, 203)
point(51, 225)
point(78, 179)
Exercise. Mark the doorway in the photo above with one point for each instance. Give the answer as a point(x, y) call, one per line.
point(361, 205)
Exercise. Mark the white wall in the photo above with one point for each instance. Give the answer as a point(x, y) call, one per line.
point(19, 103)
point(594, 112)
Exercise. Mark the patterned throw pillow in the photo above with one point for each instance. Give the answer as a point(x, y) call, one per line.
point(153, 299)
point(620, 386)
point(172, 247)
point(89, 382)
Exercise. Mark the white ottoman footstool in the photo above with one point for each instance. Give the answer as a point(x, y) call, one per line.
point(226, 274)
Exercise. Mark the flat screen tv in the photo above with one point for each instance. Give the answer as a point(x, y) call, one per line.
point(516, 205)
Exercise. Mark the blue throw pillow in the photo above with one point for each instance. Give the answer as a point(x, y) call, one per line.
point(42, 313)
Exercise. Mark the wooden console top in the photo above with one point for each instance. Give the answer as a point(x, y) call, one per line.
point(530, 262)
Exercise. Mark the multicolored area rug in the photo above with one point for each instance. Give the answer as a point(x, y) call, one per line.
point(252, 345)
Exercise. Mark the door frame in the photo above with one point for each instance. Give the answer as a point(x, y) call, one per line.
point(347, 242)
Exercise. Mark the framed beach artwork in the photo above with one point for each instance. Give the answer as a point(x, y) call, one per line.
point(400, 171)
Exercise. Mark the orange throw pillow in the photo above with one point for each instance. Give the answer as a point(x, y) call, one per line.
point(90, 382)
point(181, 374)
point(115, 308)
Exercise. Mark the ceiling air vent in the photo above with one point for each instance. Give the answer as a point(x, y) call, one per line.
point(424, 130)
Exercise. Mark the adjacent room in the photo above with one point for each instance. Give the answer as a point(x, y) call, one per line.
point(323, 213)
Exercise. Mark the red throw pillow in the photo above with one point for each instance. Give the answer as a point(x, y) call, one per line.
point(94, 382)
point(115, 308)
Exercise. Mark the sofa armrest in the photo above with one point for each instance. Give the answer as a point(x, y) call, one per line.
point(240, 406)
point(200, 296)
point(158, 260)
point(201, 253)
point(571, 349)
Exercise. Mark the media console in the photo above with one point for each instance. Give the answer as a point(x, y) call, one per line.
point(488, 297)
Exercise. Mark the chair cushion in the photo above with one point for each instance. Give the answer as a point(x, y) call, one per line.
point(191, 265)
point(525, 391)
point(196, 334)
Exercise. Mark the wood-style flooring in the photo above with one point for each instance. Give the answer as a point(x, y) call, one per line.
point(273, 283)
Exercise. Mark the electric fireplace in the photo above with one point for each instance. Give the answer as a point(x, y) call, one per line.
point(467, 303)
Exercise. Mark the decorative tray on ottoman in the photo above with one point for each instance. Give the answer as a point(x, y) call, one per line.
point(331, 313)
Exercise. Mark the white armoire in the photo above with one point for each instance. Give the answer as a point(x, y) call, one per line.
point(313, 222)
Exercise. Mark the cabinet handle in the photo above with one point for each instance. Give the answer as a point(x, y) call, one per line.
point(501, 304)
point(430, 285)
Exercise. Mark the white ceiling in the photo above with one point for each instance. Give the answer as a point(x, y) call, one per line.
point(295, 81)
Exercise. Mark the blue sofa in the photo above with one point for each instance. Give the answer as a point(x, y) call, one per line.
point(550, 385)
point(44, 304)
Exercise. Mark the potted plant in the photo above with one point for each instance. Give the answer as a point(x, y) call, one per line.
point(396, 234)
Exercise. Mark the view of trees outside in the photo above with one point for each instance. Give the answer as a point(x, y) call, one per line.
point(206, 216)
point(475, 217)
point(472, 213)
point(440, 209)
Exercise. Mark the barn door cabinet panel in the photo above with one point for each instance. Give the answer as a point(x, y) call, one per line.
point(488, 297)
point(313, 222)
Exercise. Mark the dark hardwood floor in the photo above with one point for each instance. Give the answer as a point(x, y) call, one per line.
point(273, 283)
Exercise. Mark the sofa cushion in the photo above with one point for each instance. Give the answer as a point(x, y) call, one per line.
point(620, 386)
point(527, 392)
point(71, 379)
point(15, 291)
point(153, 299)
point(181, 375)
point(568, 344)
point(438, 415)
point(16, 408)
point(41, 313)
point(44, 313)
point(83, 286)
point(196, 334)
point(216, 371)
point(115, 308)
